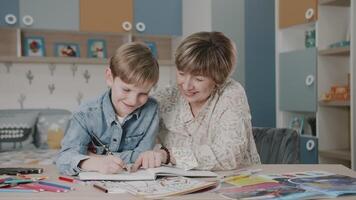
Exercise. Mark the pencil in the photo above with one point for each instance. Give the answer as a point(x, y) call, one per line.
point(67, 179)
point(55, 185)
point(17, 190)
point(100, 188)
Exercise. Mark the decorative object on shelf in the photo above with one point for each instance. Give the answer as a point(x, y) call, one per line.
point(34, 46)
point(74, 69)
point(21, 100)
point(51, 88)
point(127, 26)
point(10, 19)
point(96, 48)
point(8, 65)
point(29, 76)
point(79, 97)
point(67, 50)
point(310, 38)
point(52, 68)
point(337, 93)
point(297, 123)
point(86, 75)
point(342, 43)
point(153, 48)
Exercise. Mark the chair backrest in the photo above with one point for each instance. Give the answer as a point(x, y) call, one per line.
point(277, 145)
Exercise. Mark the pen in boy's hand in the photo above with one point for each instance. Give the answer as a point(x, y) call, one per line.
point(128, 168)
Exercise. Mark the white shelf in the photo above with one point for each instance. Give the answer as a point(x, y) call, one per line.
point(340, 154)
point(337, 51)
point(335, 103)
point(64, 60)
point(344, 3)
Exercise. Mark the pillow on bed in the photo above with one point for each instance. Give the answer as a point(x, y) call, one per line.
point(17, 129)
point(50, 128)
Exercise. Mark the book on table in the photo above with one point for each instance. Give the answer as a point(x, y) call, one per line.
point(147, 174)
point(162, 187)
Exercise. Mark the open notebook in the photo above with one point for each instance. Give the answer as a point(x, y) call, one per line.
point(148, 174)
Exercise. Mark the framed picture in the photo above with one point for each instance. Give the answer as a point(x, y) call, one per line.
point(297, 123)
point(66, 50)
point(34, 46)
point(153, 47)
point(96, 48)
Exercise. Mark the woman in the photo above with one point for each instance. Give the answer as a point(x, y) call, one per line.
point(205, 121)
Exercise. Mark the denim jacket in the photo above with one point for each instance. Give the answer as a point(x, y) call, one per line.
point(136, 134)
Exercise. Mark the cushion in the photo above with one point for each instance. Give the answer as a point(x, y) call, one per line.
point(16, 127)
point(50, 128)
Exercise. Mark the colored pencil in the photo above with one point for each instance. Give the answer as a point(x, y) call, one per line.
point(18, 181)
point(32, 186)
point(50, 188)
point(66, 187)
point(100, 188)
point(67, 179)
point(17, 190)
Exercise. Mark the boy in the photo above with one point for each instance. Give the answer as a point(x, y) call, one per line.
point(122, 123)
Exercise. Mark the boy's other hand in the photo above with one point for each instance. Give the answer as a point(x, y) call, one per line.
point(149, 159)
point(106, 164)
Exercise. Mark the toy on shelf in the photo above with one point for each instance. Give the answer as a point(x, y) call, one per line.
point(338, 92)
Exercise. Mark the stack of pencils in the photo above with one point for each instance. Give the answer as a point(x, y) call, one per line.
point(29, 184)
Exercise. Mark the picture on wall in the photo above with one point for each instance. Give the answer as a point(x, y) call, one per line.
point(67, 50)
point(34, 46)
point(96, 48)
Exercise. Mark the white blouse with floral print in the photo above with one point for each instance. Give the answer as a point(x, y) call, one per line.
point(218, 138)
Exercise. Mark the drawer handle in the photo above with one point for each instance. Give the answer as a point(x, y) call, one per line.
point(309, 80)
point(126, 25)
point(309, 13)
point(140, 26)
point(310, 145)
point(27, 20)
point(10, 19)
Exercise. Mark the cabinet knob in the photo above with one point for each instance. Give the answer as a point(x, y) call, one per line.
point(140, 27)
point(10, 19)
point(126, 25)
point(309, 145)
point(27, 20)
point(309, 80)
point(309, 13)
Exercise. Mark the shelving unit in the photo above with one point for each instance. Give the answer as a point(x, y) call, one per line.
point(12, 49)
point(335, 119)
point(336, 66)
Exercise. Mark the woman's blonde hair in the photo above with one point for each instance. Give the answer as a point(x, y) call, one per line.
point(209, 54)
point(134, 64)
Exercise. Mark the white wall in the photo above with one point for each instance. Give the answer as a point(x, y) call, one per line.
point(196, 16)
point(69, 90)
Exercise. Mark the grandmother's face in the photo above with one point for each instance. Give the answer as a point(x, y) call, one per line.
point(195, 89)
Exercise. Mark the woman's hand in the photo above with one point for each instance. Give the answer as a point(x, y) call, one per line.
point(106, 164)
point(150, 159)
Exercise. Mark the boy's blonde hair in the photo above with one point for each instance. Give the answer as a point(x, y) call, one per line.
point(134, 64)
point(209, 54)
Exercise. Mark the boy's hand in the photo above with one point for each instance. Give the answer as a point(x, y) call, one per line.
point(149, 159)
point(106, 164)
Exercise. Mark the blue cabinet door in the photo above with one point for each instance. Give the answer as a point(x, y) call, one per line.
point(161, 17)
point(7, 8)
point(298, 80)
point(51, 14)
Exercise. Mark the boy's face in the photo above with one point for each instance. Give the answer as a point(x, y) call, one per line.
point(126, 98)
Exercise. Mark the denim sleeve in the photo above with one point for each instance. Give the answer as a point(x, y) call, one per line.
point(147, 142)
point(74, 147)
